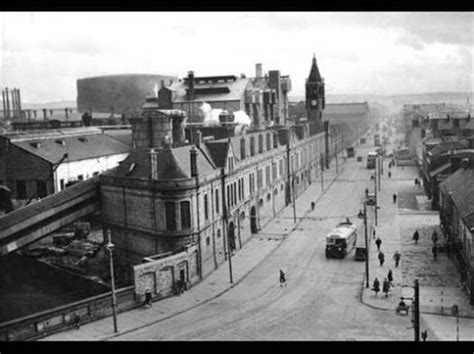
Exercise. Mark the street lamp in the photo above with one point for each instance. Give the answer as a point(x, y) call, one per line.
point(416, 310)
point(110, 247)
point(366, 248)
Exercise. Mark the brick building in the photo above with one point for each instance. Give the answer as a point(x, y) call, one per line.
point(169, 195)
point(42, 163)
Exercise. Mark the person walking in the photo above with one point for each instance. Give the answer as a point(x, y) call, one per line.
point(390, 276)
point(77, 321)
point(389, 174)
point(386, 287)
point(282, 278)
point(416, 182)
point(148, 298)
point(313, 205)
point(434, 237)
point(397, 257)
point(416, 236)
point(378, 242)
point(367, 192)
point(381, 257)
point(376, 286)
point(394, 198)
point(435, 251)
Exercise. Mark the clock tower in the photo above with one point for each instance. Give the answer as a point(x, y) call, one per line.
point(315, 101)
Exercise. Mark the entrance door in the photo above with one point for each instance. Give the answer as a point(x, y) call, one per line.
point(232, 236)
point(253, 220)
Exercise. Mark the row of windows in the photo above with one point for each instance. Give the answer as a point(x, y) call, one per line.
point(268, 146)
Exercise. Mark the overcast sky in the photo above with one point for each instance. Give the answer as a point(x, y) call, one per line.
point(44, 53)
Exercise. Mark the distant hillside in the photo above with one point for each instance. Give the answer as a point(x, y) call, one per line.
point(48, 105)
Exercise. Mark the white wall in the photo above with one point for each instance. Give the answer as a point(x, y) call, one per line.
point(69, 171)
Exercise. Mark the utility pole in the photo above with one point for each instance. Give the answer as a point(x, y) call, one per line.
point(375, 191)
point(322, 170)
point(416, 311)
point(226, 226)
point(366, 248)
point(109, 247)
point(335, 150)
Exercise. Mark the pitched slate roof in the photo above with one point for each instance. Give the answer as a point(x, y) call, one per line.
point(172, 164)
point(445, 146)
point(460, 187)
point(218, 150)
point(77, 147)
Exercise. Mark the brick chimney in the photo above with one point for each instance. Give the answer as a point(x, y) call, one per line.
point(190, 93)
point(193, 156)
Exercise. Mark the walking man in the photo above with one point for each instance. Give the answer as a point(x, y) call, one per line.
point(397, 257)
point(376, 286)
point(434, 237)
point(416, 236)
point(381, 257)
point(390, 276)
point(282, 278)
point(313, 204)
point(394, 198)
point(148, 298)
point(389, 174)
point(378, 242)
point(386, 287)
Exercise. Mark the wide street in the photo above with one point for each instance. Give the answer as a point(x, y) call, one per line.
point(322, 300)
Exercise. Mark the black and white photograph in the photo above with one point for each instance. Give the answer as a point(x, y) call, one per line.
point(223, 176)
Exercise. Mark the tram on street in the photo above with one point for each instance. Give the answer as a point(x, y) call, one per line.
point(341, 240)
point(371, 157)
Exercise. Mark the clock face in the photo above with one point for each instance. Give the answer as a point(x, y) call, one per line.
point(313, 102)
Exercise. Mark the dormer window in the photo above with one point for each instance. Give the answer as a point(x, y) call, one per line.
point(61, 142)
point(82, 139)
point(35, 144)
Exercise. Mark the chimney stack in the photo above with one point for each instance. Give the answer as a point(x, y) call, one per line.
point(67, 112)
point(154, 164)
point(45, 115)
point(19, 102)
point(8, 102)
point(190, 85)
point(258, 71)
point(4, 105)
point(193, 156)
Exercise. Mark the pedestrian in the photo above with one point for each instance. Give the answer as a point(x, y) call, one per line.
point(434, 237)
point(77, 321)
point(282, 278)
point(389, 174)
point(424, 335)
point(313, 204)
point(386, 287)
point(378, 242)
point(381, 258)
point(416, 182)
point(390, 276)
point(435, 251)
point(376, 286)
point(148, 298)
point(373, 232)
point(394, 198)
point(416, 236)
point(397, 257)
point(367, 192)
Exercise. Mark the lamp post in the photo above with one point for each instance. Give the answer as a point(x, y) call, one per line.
point(375, 191)
point(366, 248)
point(110, 247)
point(416, 310)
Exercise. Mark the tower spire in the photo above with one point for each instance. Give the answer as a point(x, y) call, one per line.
point(314, 75)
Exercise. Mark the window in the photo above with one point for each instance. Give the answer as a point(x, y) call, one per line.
point(252, 146)
point(185, 215)
point(269, 197)
point(235, 193)
point(80, 177)
point(217, 201)
point(208, 241)
point(242, 149)
point(240, 190)
point(274, 171)
point(280, 167)
point(218, 233)
point(260, 144)
point(228, 196)
point(275, 141)
point(243, 188)
point(61, 184)
point(206, 207)
point(269, 142)
point(21, 189)
point(170, 216)
point(267, 175)
point(259, 178)
point(252, 183)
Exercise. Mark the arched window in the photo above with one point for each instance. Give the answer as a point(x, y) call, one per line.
point(275, 141)
point(269, 197)
point(260, 203)
point(170, 216)
point(252, 146)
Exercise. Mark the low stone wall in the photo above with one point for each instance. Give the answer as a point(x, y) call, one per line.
point(60, 318)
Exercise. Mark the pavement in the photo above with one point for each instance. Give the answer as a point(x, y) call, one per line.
point(270, 237)
point(439, 280)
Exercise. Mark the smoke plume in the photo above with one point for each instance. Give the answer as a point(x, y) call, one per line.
point(211, 115)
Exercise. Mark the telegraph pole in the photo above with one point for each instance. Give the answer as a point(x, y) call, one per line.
point(322, 170)
point(375, 190)
point(366, 248)
point(109, 247)
point(380, 164)
point(416, 311)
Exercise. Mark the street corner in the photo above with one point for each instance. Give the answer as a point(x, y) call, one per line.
point(379, 300)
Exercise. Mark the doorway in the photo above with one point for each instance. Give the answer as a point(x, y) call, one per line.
point(253, 220)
